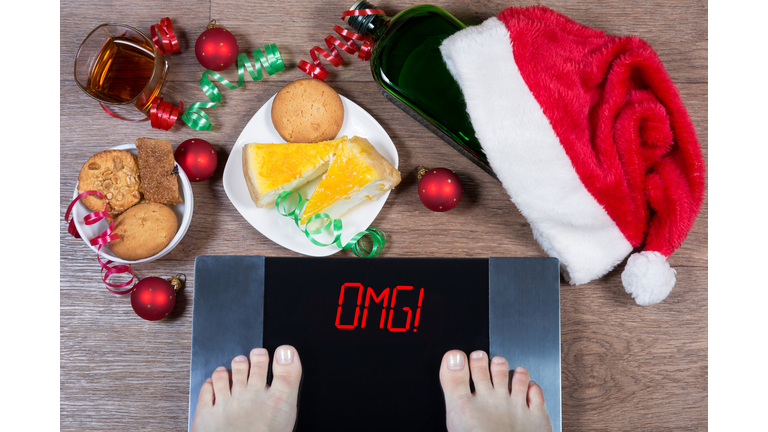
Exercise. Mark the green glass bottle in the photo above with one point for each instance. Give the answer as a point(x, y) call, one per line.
point(407, 66)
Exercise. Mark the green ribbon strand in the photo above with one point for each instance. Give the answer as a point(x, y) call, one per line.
point(196, 118)
point(288, 209)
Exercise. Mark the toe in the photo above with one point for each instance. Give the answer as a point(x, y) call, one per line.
point(205, 399)
point(259, 367)
point(535, 396)
point(454, 375)
point(220, 380)
point(478, 365)
point(286, 371)
point(239, 374)
point(500, 375)
point(520, 379)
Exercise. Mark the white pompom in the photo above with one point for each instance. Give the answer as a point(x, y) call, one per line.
point(648, 277)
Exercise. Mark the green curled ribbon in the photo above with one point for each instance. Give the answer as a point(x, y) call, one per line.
point(294, 212)
point(196, 118)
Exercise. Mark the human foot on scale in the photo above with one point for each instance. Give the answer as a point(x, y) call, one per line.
point(249, 404)
point(496, 405)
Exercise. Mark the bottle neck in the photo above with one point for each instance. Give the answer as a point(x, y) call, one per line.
point(372, 26)
point(377, 27)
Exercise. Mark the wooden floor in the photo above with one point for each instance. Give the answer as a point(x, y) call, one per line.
point(624, 367)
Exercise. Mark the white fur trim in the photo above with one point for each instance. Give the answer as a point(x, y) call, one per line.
point(525, 153)
point(648, 277)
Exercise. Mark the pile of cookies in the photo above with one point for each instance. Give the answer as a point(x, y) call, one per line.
point(139, 192)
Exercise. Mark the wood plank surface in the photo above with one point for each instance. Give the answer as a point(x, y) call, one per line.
point(625, 367)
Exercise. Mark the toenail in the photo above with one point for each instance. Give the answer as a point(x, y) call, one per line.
point(531, 383)
point(220, 368)
point(284, 355)
point(498, 360)
point(455, 362)
point(209, 380)
point(240, 358)
point(259, 351)
point(477, 354)
point(520, 369)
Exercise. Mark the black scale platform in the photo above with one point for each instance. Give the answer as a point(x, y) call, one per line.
point(371, 333)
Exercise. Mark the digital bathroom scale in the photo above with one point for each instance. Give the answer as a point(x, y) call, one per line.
point(371, 333)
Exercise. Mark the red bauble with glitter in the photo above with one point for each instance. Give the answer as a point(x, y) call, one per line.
point(216, 49)
point(153, 298)
point(197, 158)
point(439, 189)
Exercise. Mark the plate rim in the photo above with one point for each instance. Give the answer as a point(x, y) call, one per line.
point(240, 142)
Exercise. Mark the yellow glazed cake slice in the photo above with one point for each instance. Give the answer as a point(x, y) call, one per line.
point(273, 168)
point(357, 174)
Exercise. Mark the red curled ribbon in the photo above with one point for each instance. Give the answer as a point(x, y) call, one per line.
point(163, 115)
point(100, 240)
point(120, 117)
point(167, 44)
point(317, 70)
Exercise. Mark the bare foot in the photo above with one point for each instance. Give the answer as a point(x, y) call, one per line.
point(250, 404)
point(495, 405)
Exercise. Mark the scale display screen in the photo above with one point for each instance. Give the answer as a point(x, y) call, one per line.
point(371, 337)
point(371, 333)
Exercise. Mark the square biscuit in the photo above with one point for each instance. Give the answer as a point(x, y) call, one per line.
point(159, 182)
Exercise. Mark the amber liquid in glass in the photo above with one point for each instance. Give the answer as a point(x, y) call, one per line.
point(122, 70)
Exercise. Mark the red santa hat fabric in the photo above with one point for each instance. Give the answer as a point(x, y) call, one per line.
point(589, 137)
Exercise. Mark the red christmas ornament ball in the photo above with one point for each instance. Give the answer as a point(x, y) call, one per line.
point(440, 189)
point(197, 158)
point(153, 298)
point(216, 49)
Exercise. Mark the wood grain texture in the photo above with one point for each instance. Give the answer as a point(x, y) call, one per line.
point(625, 367)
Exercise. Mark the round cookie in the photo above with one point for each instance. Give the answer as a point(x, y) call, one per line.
point(307, 111)
point(144, 230)
point(114, 173)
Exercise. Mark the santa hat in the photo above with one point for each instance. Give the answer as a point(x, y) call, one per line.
point(589, 137)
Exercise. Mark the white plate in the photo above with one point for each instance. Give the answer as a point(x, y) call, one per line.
point(183, 212)
point(281, 229)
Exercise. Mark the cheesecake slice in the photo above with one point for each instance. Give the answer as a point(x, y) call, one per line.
point(273, 168)
point(357, 174)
